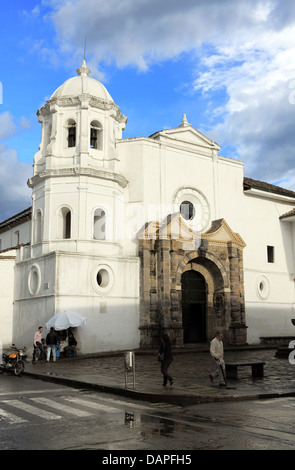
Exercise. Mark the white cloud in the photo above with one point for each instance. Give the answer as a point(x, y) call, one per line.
point(146, 31)
point(244, 48)
point(25, 123)
point(15, 196)
point(7, 126)
point(32, 14)
point(251, 56)
point(258, 116)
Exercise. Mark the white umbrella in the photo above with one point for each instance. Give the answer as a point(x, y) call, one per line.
point(63, 321)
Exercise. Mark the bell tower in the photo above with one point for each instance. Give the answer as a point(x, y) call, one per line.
point(76, 183)
point(78, 256)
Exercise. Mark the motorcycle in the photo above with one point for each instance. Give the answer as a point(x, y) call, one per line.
point(14, 362)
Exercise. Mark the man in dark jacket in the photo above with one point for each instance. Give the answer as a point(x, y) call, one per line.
point(166, 350)
point(70, 349)
point(51, 341)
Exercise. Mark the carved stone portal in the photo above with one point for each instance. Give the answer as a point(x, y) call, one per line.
point(168, 250)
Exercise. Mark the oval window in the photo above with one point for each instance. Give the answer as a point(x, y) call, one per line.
point(34, 280)
point(103, 278)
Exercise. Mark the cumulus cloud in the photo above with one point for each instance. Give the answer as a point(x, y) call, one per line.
point(258, 116)
point(32, 14)
point(7, 126)
point(25, 123)
point(143, 32)
point(15, 196)
point(244, 48)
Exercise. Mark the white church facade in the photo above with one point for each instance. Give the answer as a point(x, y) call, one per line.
point(143, 235)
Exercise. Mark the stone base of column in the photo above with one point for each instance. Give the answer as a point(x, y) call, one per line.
point(151, 335)
point(238, 334)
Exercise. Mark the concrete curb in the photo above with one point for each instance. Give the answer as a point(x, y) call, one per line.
point(177, 399)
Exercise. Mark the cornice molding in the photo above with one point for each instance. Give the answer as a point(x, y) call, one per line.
point(95, 102)
point(72, 172)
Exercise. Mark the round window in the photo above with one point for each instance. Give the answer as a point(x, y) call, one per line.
point(193, 207)
point(187, 210)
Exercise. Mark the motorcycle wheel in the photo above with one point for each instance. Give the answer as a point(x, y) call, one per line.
point(19, 367)
point(2, 368)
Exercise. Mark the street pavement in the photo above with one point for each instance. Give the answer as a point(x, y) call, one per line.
point(105, 372)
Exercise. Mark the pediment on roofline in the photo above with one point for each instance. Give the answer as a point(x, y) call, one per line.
point(185, 135)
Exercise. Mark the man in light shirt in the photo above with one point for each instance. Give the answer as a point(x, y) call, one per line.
point(216, 351)
point(38, 344)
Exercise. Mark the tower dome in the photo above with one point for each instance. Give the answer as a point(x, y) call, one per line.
point(82, 84)
point(80, 126)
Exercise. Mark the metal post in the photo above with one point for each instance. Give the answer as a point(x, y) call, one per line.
point(129, 362)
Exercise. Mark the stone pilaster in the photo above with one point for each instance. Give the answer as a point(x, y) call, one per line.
point(237, 328)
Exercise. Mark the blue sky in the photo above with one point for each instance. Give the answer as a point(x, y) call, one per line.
point(229, 65)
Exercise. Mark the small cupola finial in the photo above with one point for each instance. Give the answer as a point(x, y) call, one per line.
point(83, 70)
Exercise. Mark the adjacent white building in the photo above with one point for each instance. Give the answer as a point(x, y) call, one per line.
point(143, 235)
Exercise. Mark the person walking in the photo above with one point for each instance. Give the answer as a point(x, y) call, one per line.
point(51, 341)
point(166, 350)
point(38, 345)
point(217, 353)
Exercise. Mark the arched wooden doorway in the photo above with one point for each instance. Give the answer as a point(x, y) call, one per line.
point(194, 307)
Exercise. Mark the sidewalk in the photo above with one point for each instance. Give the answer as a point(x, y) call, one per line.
point(190, 370)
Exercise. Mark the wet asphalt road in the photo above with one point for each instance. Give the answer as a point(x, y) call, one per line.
point(37, 415)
